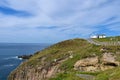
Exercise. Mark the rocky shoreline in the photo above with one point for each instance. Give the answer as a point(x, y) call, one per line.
point(25, 56)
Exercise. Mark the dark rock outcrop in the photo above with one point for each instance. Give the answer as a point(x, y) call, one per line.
point(25, 56)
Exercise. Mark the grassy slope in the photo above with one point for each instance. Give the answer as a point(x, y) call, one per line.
point(80, 49)
point(107, 39)
point(112, 74)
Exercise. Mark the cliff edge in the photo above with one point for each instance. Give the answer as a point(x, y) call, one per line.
point(69, 59)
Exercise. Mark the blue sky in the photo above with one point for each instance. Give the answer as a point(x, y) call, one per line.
point(49, 21)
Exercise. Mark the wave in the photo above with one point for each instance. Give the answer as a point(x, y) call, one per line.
point(13, 57)
point(9, 65)
point(20, 58)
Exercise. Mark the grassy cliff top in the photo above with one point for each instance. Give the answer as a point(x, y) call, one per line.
point(78, 49)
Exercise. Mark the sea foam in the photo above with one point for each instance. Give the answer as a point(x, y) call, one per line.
point(13, 57)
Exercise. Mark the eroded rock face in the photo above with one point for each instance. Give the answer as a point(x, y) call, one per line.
point(107, 61)
point(109, 58)
point(49, 69)
point(87, 64)
point(38, 72)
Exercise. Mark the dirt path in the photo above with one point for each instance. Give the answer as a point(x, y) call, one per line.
point(86, 76)
point(111, 43)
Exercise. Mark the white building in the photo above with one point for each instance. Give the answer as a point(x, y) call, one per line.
point(98, 36)
point(101, 36)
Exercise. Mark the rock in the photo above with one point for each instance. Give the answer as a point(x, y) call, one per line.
point(104, 49)
point(25, 56)
point(39, 72)
point(71, 56)
point(88, 64)
point(107, 61)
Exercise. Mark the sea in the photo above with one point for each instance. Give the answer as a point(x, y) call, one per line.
point(9, 52)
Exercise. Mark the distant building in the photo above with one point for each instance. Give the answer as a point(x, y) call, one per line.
point(98, 36)
point(95, 36)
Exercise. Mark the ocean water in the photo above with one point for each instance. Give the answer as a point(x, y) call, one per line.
point(9, 53)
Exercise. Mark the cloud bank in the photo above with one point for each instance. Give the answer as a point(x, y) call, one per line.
point(56, 20)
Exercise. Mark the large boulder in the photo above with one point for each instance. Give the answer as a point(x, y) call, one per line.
point(106, 61)
point(87, 64)
point(109, 58)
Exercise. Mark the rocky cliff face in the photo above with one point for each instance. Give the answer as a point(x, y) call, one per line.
point(34, 73)
point(38, 72)
point(107, 61)
point(66, 58)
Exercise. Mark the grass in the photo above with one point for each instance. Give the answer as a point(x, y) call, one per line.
point(112, 74)
point(108, 39)
point(66, 76)
point(79, 49)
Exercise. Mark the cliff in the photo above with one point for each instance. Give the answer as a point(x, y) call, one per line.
point(70, 59)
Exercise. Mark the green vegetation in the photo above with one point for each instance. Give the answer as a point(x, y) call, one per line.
point(113, 74)
point(108, 39)
point(67, 76)
point(78, 49)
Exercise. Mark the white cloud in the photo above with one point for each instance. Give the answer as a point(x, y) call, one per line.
point(73, 16)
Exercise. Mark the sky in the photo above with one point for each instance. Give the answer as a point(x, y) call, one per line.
point(50, 21)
